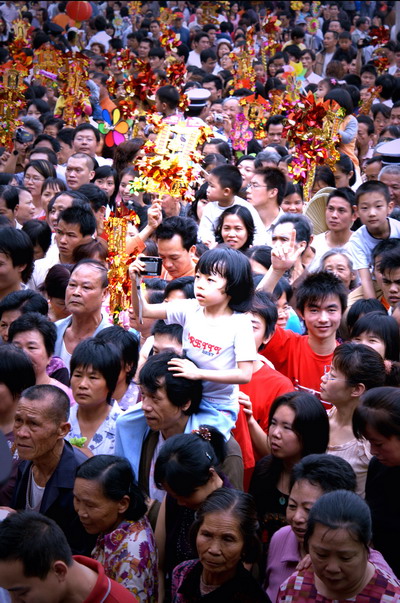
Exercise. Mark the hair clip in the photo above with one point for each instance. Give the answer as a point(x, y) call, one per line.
point(203, 432)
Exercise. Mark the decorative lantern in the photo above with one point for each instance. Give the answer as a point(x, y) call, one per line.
point(79, 11)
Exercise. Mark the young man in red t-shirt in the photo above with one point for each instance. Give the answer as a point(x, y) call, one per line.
point(321, 301)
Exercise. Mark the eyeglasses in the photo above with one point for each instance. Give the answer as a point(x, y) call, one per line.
point(256, 185)
point(28, 178)
point(328, 374)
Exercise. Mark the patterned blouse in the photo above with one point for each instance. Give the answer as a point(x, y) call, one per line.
point(103, 441)
point(300, 588)
point(129, 556)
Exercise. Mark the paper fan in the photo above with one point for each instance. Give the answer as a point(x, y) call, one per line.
point(315, 210)
point(113, 127)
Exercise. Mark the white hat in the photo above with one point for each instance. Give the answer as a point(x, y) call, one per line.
point(198, 97)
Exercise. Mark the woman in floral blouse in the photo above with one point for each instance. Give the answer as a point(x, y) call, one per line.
point(110, 504)
point(95, 367)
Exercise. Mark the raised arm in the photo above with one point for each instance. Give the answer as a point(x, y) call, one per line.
point(149, 310)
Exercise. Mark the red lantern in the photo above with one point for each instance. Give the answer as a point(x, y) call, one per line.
point(79, 11)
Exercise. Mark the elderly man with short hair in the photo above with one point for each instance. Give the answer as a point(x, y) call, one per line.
point(84, 296)
point(46, 474)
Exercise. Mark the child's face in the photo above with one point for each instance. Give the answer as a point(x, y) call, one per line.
point(210, 289)
point(259, 329)
point(322, 89)
point(322, 318)
point(373, 209)
point(344, 43)
point(215, 192)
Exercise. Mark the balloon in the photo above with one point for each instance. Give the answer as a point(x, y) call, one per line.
point(79, 11)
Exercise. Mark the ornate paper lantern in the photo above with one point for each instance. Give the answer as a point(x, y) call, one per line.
point(79, 11)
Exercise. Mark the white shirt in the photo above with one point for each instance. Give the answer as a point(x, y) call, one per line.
point(313, 78)
point(194, 59)
point(362, 243)
point(42, 267)
point(101, 37)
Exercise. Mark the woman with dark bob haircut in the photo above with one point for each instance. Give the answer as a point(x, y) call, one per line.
point(36, 336)
point(377, 419)
point(337, 539)
point(95, 367)
point(126, 390)
point(109, 503)
point(235, 228)
point(380, 332)
point(298, 425)
point(225, 535)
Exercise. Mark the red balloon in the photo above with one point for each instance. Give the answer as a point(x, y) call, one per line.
point(79, 11)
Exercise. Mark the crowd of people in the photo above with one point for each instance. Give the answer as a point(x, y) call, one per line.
point(236, 437)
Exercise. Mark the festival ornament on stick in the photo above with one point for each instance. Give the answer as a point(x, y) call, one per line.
point(312, 127)
point(12, 100)
point(119, 283)
point(113, 127)
point(172, 163)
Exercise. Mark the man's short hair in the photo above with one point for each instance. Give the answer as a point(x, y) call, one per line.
point(157, 52)
point(207, 53)
point(213, 78)
point(90, 162)
point(34, 540)
point(317, 286)
point(390, 260)
point(10, 196)
point(16, 245)
point(66, 135)
point(155, 374)
point(273, 178)
point(186, 228)
point(301, 224)
point(86, 126)
point(103, 273)
point(50, 154)
point(82, 216)
point(169, 95)
point(97, 197)
point(25, 301)
point(274, 120)
point(56, 398)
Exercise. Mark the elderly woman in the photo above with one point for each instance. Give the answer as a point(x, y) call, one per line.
point(109, 503)
point(36, 336)
point(337, 539)
point(225, 533)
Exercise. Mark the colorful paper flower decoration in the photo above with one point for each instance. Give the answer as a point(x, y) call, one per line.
point(113, 128)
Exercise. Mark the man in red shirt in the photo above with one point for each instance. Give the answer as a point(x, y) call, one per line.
point(36, 564)
point(321, 301)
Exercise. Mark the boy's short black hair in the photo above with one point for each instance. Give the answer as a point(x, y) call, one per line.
point(263, 306)
point(317, 286)
point(228, 176)
point(169, 95)
point(17, 246)
point(81, 215)
point(301, 224)
point(372, 186)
